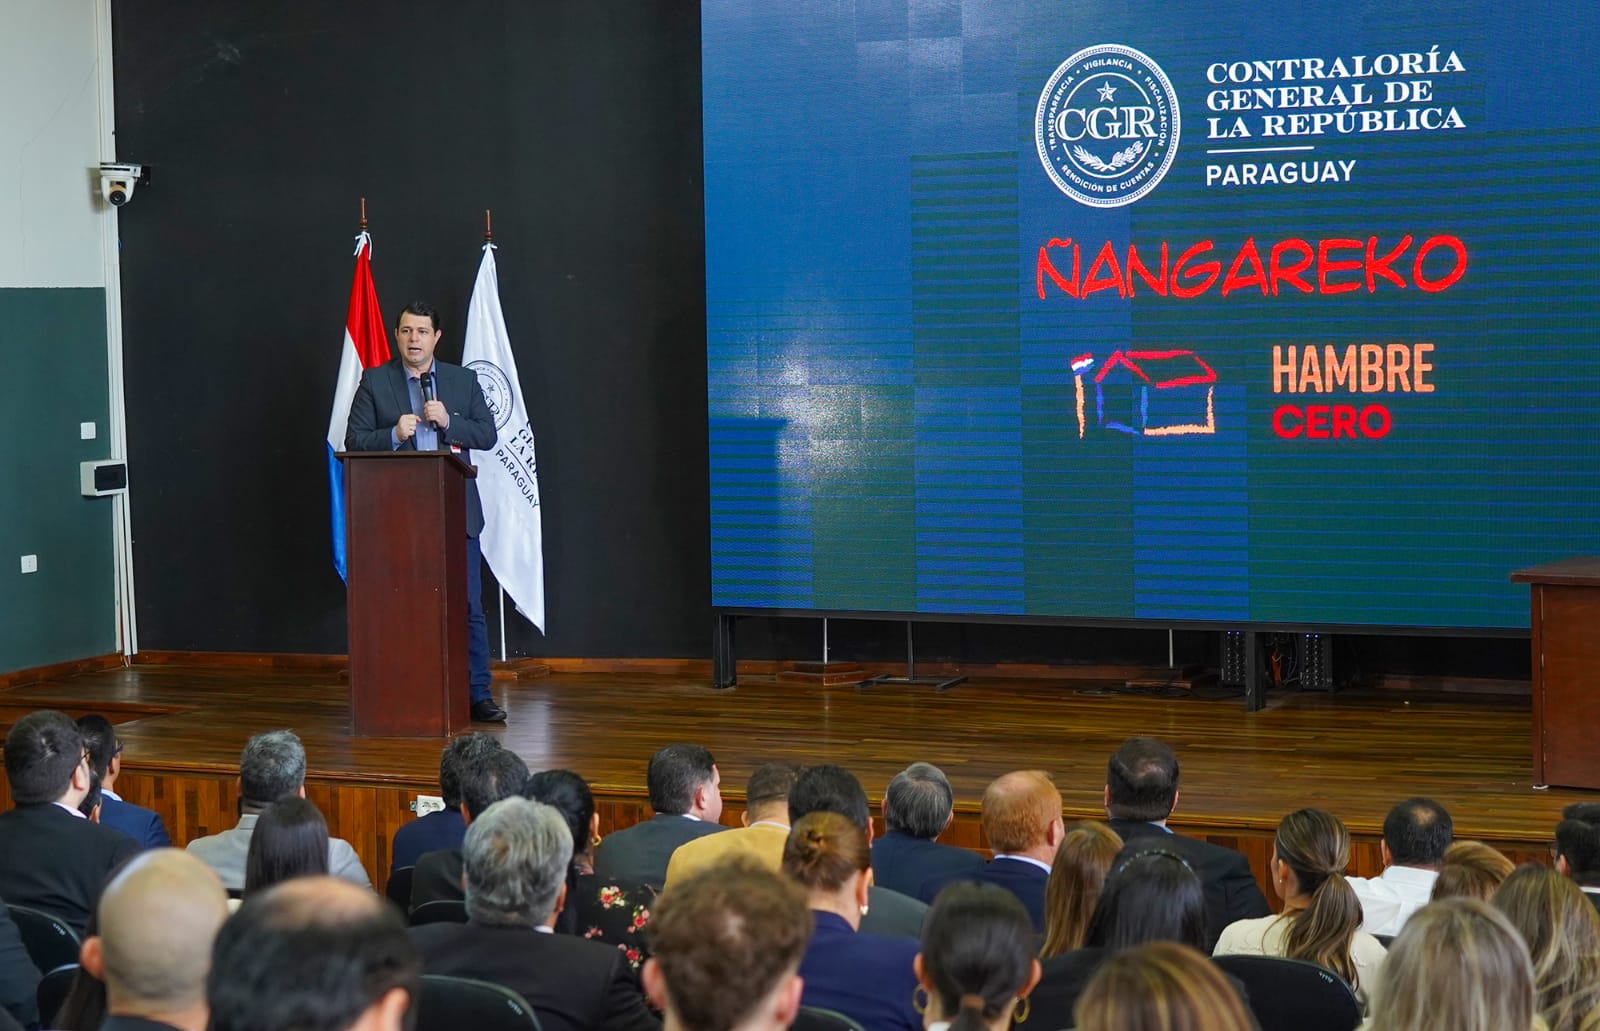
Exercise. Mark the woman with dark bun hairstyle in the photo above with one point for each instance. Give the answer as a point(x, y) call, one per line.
point(866, 977)
point(977, 962)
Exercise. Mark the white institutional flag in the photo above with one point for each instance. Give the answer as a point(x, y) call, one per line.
point(508, 483)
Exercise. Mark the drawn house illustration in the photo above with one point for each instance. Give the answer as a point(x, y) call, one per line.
point(1147, 393)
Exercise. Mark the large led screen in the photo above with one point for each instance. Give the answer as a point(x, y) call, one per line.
point(1221, 312)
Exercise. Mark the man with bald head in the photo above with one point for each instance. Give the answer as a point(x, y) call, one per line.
point(1022, 822)
point(313, 954)
point(157, 920)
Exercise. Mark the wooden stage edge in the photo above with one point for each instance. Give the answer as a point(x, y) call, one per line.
point(1354, 753)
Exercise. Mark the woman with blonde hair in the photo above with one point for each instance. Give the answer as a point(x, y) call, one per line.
point(1457, 965)
point(867, 977)
point(1077, 874)
point(1470, 869)
point(1562, 932)
point(1321, 917)
point(1161, 986)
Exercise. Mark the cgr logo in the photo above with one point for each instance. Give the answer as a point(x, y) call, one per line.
point(1107, 126)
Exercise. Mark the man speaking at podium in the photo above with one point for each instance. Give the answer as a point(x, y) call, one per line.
point(417, 403)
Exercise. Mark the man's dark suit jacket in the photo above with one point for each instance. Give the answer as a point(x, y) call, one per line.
point(437, 876)
point(573, 984)
point(57, 862)
point(19, 978)
point(893, 915)
point(640, 853)
point(904, 863)
point(141, 824)
point(383, 397)
point(1024, 880)
point(441, 830)
point(1231, 889)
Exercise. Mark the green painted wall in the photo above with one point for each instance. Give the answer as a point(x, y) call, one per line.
point(53, 360)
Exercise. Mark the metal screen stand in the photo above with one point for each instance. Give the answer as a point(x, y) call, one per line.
point(937, 683)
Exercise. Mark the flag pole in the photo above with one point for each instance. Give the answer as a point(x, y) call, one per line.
point(488, 238)
point(363, 214)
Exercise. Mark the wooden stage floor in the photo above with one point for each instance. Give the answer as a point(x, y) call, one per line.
point(1353, 754)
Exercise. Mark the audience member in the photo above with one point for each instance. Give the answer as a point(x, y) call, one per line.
point(1470, 869)
point(19, 978)
point(727, 945)
point(1415, 834)
point(614, 912)
point(313, 954)
point(1077, 874)
point(1141, 793)
point(1321, 918)
point(517, 853)
point(764, 830)
point(867, 977)
point(1150, 895)
point(918, 807)
point(105, 756)
point(1161, 986)
point(685, 792)
point(1577, 847)
point(1562, 932)
point(976, 964)
point(290, 840)
point(834, 789)
point(489, 772)
point(1456, 965)
point(443, 828)
point(1022, 822)
point(155, 926)
point(51, 857)
point(271, 767)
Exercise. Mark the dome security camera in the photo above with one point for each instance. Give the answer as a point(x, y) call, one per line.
point(118, 180)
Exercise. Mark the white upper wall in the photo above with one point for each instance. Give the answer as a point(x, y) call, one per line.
point(50, 214)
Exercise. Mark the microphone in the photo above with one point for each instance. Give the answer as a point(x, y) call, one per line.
point(427, 395)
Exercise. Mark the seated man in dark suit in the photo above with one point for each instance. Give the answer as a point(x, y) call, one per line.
point(516, 857)
point(686, 793)
point(51, 856)
point(1578, 847)
point(313, 952)
point(489, 772)
point(918, 807)
point(728, 942)
point(1022, 822)
point(1141, 792)
point(834, 789)
point(105, 757)
point(157, 921)
point(438, 830)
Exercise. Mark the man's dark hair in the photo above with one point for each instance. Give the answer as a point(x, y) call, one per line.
point(421, 309)
point(290, 840)
point(1417, 832)
point(490, 772)
point(1143, 780)
point(674, 774)
point(919, 801)
point(829, 789)
point(1149, 895)
point(450, 765)
point(1578, 841)
point(771, 783)
point(101, 741)
point(1588, 812)
point(272, 766)
point(42, 751)
point(283, 962)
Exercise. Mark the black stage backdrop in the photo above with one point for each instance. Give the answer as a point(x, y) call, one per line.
point(578, 123)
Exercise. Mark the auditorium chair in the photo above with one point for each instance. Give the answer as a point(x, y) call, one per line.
point(53, 989)
point(1293, 995)
point(50, 943)
point(815, 1018)
point(440, 911)
point(398, 887)
point(451, 1003)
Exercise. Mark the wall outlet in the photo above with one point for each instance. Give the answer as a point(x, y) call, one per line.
point(86, 431)
point(426, 804)
point(30, 563)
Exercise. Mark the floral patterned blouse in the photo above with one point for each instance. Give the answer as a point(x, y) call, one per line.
point(611, 911)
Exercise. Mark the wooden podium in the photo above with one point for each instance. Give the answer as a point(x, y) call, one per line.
point(406, 556)
point(1566, 654)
